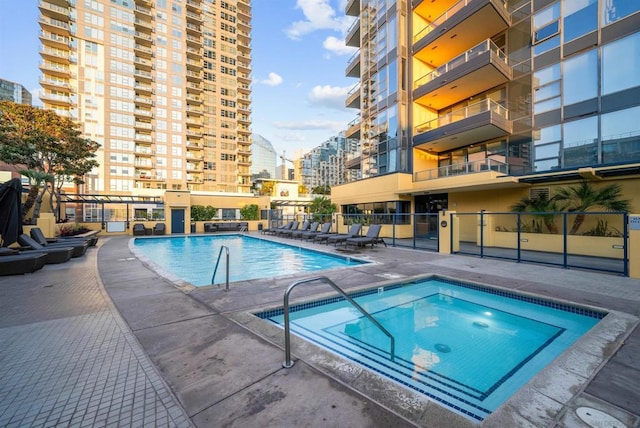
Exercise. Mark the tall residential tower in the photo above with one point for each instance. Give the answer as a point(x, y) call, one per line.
point(163, 86)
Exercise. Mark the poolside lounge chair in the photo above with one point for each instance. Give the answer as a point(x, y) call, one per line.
point(53, 255)
point(312, 228)
point(26, 262)
point(353, 232)
point(372, 237)
point(159, 229)
point(38, 236)
point(79, 248)
point(289, 233)
point(325, 230)
point(274, 230)
point(294, 226)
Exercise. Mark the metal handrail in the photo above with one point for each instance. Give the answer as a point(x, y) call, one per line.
point(287, 334)
point(224, 247)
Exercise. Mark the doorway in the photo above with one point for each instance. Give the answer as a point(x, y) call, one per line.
point(426, 211)
point(177, 221)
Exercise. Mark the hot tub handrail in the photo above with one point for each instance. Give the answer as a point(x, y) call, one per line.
point(288, 363)
point(224, 247)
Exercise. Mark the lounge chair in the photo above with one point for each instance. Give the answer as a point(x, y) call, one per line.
point(372, 237)
point(26, 262)
point(159, 229)
point(294, 226)
point(353, 232)
point(289, 233)
point(53, 255)
point(79, 248)
point(312, 228)
point(38, 236)
point(274, 230)
point(140, 230)
point(325, 230)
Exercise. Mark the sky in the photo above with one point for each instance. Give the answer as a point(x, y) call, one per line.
point(298, 67)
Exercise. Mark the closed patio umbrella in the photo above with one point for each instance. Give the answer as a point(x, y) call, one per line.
point(10, 211)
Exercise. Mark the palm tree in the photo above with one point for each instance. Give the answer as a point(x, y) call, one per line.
point(541, 206)
point(583, 197)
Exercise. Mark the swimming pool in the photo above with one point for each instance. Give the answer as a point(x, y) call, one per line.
point(464, 346)
point(193, 258)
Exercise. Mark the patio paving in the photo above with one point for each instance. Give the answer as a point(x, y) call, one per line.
point(106, 341)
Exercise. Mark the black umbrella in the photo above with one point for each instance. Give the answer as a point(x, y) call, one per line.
point(10, 211)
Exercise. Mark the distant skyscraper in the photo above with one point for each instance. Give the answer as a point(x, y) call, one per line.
point(325, 165)
point(164, 87)
point(263, 157)
point(15, 92)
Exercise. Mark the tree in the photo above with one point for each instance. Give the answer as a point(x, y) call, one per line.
point(321, 206)
point(202, 213)
point(249, 212)
point(321, 190)
point(585, 197)
point(267, 188)
point(540, 206)
point(45, 147)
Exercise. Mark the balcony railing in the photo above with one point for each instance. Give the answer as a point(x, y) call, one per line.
point(465, 57)
point(54, 22)
point(441, 19)
point(483, 165)
point(55, 37)
point(463, 113)
point(51, 6)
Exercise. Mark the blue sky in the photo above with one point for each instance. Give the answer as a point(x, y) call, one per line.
point(299, 61)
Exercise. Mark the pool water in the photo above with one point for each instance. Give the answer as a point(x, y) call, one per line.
point(460, 345)
point(193, 258)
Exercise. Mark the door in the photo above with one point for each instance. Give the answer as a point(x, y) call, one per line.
point(177, 221)
point(426, 209)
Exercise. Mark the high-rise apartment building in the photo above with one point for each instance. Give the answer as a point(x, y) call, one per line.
point(263, 157)
point(10, 91)
point(163, 86)
point(457, 98)
point(325, 165)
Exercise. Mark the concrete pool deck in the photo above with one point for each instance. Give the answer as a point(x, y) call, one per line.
point(149, 353)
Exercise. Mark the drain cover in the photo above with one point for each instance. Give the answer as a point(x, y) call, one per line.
point(596, 418)
point(481, 324)
point(441, 347)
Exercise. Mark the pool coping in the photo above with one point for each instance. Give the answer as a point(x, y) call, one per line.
point(550, 391)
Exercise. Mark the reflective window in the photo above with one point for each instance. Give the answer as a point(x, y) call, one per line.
point(547, 164)
point(547, 148)
point(621, 136)
point(548, 151)
point(580, 17)
point(621, 64)
point(548, 135)
point(546, 28)
point(580, 81)
point(613, 10)
point(546, 89)
point(580, 142)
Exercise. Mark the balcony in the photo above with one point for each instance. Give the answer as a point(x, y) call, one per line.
point(353, 97)
point(145, 101)
point(143, 75)
point(194, 5)
point(481, 121)
point(143, 11)
point(55, 69)
point(194, 29)
point(194, 41)
point(141, 87)
point(143, 151)
point(194, 53)
point(141, 37)
point(143, 63)
point(464, 25)
point(480, 68)
point(193, 156)
point(193, 166)
point(53, 39)
point(143, 164)
point(143, 112)
point(244, 66)
point(51, 83)
point(352, 8)
point(144, 25)
point(54, 11)
point(59, 55)
point(353, 162)
point(195, 17)
point(353, 129)
point(143, 175)
point(194, 75)
point(55, 99)
point(56, 25)
point(192, 99)
point(194, 111)
point(353, 65)
point(353, 34)
point(143, 51)
point(465, 168)
point(245, 120)
point(194, 145)
point(143, 125)
point(143, 138)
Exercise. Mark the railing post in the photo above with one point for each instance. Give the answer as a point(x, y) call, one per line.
point(564, 239)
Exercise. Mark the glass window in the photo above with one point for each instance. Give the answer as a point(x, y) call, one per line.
point(548, 151)
point(580, 80)
point(613, 10)
point(546, 165)
point(580, 17)
point(581, 142)
point(547, 45)
point(621, 64)
point(621, 136)
point(548, 135)
point(546, 89)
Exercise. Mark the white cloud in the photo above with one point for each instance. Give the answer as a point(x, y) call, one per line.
point(311, 125)
point(329, 96)
point(274, 80)
point(337, 46)
point(319, 15)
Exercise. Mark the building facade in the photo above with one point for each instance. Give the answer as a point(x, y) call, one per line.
point(325, 165)
point(163, 86)
point(263, 158)
point(474, 104)
point(10, 91)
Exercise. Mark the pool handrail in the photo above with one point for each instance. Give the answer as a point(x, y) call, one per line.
point(223, 247)
point(288, 363)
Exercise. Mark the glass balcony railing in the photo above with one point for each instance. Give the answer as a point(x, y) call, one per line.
point(463, 58)
point(463, 113)
point(441, 19)
point(483, 165)
point(353, 90)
